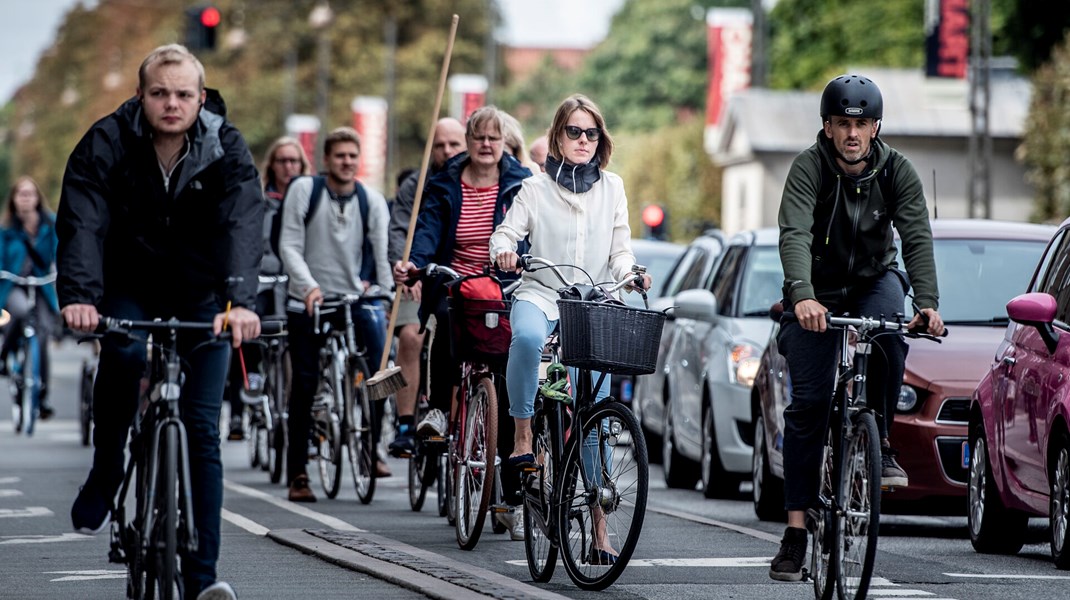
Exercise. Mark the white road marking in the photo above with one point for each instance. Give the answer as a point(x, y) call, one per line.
point(1004, 576)
point(87, 575)
point(245, 523)
point(29, 511)
point(42, 539)
point(748, 561)
point(328, 520)
point(900, 593)
point(9, 480)
point(761, 535)
point(9, 493)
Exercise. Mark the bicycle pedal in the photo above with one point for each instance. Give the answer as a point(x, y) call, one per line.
point(435, 439)
point(529, 469)
point(500, 509)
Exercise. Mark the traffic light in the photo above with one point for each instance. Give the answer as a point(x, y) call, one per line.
point(201, 25)
point(655, 222)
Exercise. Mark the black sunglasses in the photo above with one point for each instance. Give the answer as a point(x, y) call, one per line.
point(573, 133)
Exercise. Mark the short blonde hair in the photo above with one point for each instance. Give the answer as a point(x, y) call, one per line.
point(557, 128)
point(171, 54)
point(482, 117)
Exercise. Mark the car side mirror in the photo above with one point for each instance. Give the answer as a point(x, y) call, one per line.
point(1036, 309)
point(697, 304)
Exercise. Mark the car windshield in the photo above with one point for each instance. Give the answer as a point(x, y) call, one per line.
point(978, 277)
point(762, 283)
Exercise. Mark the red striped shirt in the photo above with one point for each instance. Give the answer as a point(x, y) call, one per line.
point(472, 246)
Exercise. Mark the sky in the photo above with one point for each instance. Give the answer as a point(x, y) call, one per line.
point(27, 27)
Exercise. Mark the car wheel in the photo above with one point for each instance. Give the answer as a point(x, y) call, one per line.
point(994, 528)
point(716, 482)
point(1059, 501)
point(680, 471)
point(768, 491)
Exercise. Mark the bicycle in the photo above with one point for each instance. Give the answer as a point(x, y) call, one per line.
point(267, 402)
point(342, 414)
point(468, 482)
point(26, 381)
point(85, 395)
point(590, 476)
point(846, 523)
point(424, 461)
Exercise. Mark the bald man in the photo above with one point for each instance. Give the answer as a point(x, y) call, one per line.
point(538, 151)
point(448, 142)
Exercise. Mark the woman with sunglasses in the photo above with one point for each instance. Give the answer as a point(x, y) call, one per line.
point(575, 213)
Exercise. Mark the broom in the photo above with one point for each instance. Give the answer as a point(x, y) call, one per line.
point(388, 381)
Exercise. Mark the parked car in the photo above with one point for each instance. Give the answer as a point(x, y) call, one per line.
point(658, 257)
point(692, 270)
point(978, 264)
point(721, 329)
point(1019, 452)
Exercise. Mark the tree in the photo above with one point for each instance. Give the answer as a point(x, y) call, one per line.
point(1046, 141)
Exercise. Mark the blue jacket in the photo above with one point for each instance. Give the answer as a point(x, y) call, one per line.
point(15, 255)
point(435, 237)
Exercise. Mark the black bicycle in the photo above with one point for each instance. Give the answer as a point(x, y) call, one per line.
point(27, 384)
point(265, 396)
point(588, 486)
point(846, 523)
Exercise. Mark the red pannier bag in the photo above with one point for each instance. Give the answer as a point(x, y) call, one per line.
point(479, 320)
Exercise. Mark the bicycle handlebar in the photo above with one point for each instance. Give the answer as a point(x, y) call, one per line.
point(273, 279)
point(864, 324)
point(116, 325)
point(29, 281)
point(533, 263)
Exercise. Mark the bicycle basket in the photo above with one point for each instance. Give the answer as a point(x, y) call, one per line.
point(612, 338)
point(479, 320)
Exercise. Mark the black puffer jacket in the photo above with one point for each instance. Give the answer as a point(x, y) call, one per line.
point(121, 230)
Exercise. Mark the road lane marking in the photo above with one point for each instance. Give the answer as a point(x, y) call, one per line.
point(9, 493)
point(747, 561)
point(87, 575)
point(29, 511)
point(42, 539)
point(328, 520)
point(769, 537)
point(1005, 576)
point(9, 480)
point(886, 593)
point(245, 523)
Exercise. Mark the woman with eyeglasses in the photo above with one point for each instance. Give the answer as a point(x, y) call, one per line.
point(575, 213)
point(463, 204)
point(284, 161)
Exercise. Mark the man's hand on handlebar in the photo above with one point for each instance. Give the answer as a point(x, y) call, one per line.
point(312, 299)
point(81, 317)
point(929, 320)
point(811, 315)
point(243, 324)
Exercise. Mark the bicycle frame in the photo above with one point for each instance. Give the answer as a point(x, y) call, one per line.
point(26, 377)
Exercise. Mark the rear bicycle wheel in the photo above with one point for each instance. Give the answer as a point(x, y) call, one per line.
point(540, 545)
point(422, 469)
point(824, 527)
point(475, 470)
point(359, 442)
point(603, 495)
point(860, 520)
point(443, 490)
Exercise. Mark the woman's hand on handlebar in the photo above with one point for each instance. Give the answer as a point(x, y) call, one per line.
point(243, 324)
point(508, 262)
point(645, 283)
point(929, 320)
point(811, 315)
point(81, 317)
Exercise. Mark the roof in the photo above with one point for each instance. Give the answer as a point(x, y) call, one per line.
point(989, 229)
point(766, 236)
point(914, 105)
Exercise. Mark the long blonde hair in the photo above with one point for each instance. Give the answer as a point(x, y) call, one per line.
point(267, 174)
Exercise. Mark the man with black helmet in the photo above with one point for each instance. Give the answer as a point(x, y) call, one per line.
point(841, 198)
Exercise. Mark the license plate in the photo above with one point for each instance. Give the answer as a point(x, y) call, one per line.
point(966, 455)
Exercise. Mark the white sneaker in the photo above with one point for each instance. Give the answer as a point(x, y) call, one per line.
point(219, 590)
point(514, 522)
point(434, 424)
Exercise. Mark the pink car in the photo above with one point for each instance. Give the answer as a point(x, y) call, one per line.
point(1019, 434)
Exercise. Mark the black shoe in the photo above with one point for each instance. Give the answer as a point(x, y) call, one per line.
point(45, 411)
point(237, 433)
point(89, 513)
point(787, 565)
point(892, 475)
point(404, 445)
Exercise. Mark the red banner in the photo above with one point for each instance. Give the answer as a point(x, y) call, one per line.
point(947, 38)
point(728, 38)
point(370, 121)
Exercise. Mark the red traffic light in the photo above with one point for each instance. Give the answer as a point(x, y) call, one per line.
point(653, 215)
point(210, 17)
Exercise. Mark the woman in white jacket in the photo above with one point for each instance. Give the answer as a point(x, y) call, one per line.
point(574, 213)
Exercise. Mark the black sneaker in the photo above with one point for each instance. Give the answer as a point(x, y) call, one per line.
point(45, 410)
point(404, 445)
point(89, 513)
point(788, 563)
point(892, 475)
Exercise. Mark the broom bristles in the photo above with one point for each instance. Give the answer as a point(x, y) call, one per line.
point(385, 382)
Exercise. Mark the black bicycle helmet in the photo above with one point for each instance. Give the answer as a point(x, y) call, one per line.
point(852, 96)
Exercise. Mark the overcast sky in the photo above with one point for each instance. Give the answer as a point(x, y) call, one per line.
point(27, 27)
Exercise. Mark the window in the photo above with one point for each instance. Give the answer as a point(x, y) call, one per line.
point(763, 282)
point(693, 258)
point(725, 279)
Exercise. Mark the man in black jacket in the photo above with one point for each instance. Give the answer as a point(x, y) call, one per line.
point(160, 216)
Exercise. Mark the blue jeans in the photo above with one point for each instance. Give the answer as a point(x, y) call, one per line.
point(115, 397)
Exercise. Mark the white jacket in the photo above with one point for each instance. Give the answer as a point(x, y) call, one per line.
point(588, 230)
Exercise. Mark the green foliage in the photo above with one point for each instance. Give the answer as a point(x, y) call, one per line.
point(1047, 137)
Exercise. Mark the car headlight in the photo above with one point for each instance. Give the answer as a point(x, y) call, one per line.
point(908, 399)
point(743, 364)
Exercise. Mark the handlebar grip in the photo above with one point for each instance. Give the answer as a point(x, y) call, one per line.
point(272, 327)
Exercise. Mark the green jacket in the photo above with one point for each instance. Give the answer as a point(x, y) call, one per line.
point(836, 231)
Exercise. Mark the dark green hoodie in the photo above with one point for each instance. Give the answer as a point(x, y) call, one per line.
point(836, 230)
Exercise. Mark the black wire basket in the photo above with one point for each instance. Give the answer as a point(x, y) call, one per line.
point(612, 338)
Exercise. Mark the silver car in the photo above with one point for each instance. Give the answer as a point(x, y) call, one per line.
point(721, 329)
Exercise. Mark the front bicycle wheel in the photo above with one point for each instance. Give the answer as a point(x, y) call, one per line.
point(85, 405)
point(423, 467)
point(860, 520)
point(824, 527)
point(603, 495)
point(329, 422)
point(277, 390)
point(359, 442)
point(165, 536)
point(540, 545)
point(443, 489)
point(475, 469)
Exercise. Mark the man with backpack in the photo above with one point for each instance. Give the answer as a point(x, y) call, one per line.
point(841, 197)
point(333, 240)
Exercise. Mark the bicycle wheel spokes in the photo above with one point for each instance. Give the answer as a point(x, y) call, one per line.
point(823, 528)
point(860, 521)
point(540, 547)
point(475, 470)
point(361, 448)
point(604, 493)
point(328, 442)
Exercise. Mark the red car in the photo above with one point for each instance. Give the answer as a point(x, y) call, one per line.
point(978, 265)
point(1020, 418)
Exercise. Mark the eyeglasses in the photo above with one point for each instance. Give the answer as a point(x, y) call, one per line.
point(288, 161)
point(593, 134)
point(486, 139)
